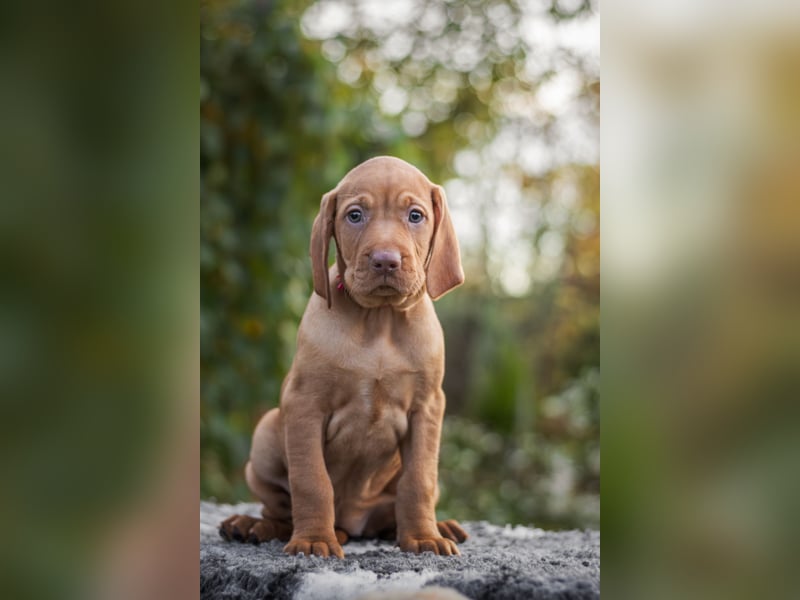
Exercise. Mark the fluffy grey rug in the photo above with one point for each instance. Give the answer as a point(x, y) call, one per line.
point(496, 562)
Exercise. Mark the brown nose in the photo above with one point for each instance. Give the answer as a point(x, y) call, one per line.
point(384, 261)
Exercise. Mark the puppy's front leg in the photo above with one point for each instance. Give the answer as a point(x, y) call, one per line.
point(417, 530)
point(310, 485)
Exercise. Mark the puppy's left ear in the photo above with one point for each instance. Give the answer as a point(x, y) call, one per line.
point(321, 233)
point(444, 271)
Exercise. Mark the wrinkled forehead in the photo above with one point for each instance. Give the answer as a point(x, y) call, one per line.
point(385, 179)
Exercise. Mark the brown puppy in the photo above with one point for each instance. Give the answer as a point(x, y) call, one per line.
point(353, 448)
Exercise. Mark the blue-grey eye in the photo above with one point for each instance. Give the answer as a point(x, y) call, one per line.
point(355, 216)
point(415, 216)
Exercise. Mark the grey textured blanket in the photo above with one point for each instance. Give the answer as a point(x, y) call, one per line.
point(496, 562)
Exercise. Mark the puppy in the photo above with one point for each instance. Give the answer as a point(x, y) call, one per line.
point(353, 449)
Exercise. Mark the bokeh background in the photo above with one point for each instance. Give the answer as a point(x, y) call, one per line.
point(499, 102)
point(99, 308)
point(701, 299)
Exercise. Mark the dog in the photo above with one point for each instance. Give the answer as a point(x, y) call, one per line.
point(352, 452)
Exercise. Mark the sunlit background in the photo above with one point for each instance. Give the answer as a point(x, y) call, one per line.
point(498, 101)
point(701, 299)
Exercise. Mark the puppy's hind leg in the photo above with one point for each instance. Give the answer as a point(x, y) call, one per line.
point(243, 528)
point(267, 478)
point(276, 515)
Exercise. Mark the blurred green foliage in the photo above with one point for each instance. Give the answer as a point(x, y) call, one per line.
point(283, 117)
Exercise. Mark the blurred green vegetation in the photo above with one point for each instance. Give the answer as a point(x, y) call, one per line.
point(289, 103)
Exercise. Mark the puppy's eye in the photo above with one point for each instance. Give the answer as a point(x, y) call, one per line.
point(355, 216)
point(415, 216)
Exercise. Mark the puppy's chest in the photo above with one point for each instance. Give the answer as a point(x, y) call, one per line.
point(378, 377)
point(373, 412)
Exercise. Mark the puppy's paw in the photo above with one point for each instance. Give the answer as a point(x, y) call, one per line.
point(342, 536)
point(434, 543)
point(316, 545)
point(249, 529)
point(452, 530)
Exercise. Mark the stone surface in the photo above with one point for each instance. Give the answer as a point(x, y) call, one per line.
point(495, 562)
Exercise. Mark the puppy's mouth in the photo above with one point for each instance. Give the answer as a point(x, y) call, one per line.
point(371, 289)
point(385, 290)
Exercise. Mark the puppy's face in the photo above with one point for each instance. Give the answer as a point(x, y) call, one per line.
point(384, 225)
point(393, 236)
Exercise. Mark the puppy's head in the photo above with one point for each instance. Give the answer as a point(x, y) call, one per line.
point(393, 236)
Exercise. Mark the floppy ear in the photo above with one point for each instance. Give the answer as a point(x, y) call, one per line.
point(321, 233)
point(444, 260)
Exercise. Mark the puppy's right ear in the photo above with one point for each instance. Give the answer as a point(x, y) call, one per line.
point(321, 234)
